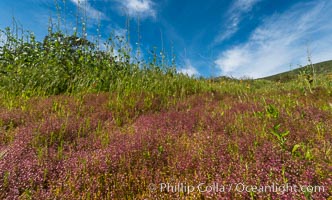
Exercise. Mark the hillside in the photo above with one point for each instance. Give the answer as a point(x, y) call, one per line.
point(320, 68)
point(76, 123)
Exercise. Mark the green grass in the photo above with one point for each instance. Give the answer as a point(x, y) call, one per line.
point(322, 68)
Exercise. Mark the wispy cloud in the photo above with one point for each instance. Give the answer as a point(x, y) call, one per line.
point(91, 12)
point(189, 69)
point(281, 41)
point(243, 5)
point(134, 8)
point(234, 16)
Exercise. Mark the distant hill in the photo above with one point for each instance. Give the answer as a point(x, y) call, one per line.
point(320, 68)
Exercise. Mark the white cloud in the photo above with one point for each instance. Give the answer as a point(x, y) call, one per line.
point(234, 17)
point(282, 40)
point(243, 5)
point(134, 8)
point(188, 69)
point(91, 12)
point(231, 59)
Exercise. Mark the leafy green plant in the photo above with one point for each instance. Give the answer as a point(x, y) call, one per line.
point(295, 149)
point(302, 150)
point(272, 111)
point(307, 78)
point(280, 135)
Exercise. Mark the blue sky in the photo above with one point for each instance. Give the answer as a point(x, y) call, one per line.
point(239, 38)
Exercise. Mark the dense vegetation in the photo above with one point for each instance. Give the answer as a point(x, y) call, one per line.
point(78, 122)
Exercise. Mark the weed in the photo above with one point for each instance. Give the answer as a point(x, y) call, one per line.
point(280, 135)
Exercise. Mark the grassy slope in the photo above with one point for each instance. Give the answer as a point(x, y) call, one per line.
point(320, 68)
point(70, 147)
